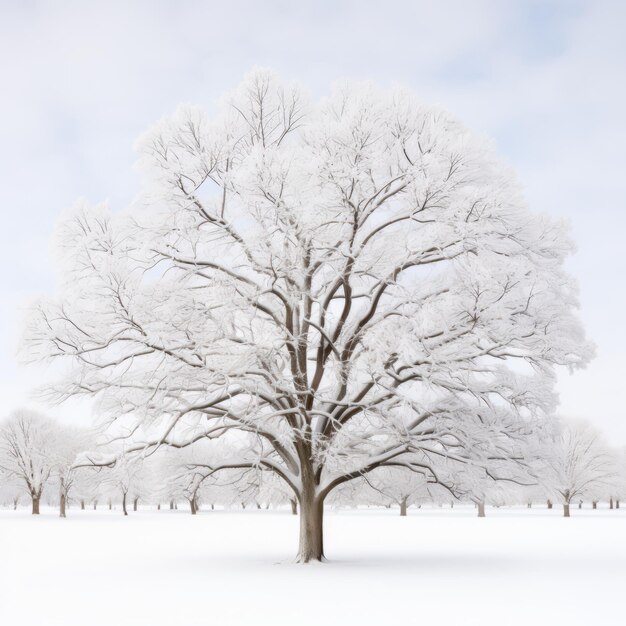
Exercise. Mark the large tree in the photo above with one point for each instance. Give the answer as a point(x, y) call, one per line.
point(332, 287)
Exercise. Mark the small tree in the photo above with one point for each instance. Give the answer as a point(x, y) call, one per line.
point(29, 443)
point(122, 477)
point(274, 491)
point(11, 491)
point(70, 443)
point(398, 485)
point(577, 463)
point(615, 488)
point(87, 484)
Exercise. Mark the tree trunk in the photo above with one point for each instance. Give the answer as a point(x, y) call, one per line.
point(82, 505)
point(481, 509)
point(212, 507)
point(403, 507)
point(171, 505)
point(35, 510)
point(159, 506)
point(580, 504)
point(124, 503)
point(62, 504)
point(529, 505)
point(311, 547)
point(135, 501)
point(95, 505)
point(549, 504)
point(192, 506)
point(311, 529)
point(594, 505)
point(110, 504)
point(15, 501)
point(294, 506)
point(611, 502)
point(617, 504)
point(566, 510)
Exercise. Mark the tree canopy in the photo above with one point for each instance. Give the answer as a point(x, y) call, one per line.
point(331, 287)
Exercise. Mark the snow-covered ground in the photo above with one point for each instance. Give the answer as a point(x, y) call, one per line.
point(436, 566)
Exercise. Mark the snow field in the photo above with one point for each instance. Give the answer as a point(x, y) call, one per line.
point(436, 566)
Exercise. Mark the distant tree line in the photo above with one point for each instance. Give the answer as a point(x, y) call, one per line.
point(41, 459)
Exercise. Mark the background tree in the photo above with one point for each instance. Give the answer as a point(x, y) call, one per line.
point(142, 485)
point(400, 485)
point(123, 477)
point(618, 482)
point(577, 463)
point(170, 477)
point(87, 485)
point(70, 443)
point(346, 283)
point(274, 491)
point(29, 443)
point(11, 491)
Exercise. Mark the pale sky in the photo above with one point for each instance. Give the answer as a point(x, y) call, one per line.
point(545, 79)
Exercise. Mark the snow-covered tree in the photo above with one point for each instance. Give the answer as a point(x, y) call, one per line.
point(502, 480)
point(38, 451)
point(70, 443)
point(169, 480)
point(348, 284)
point(232, 486)
point(29, 443)
point(11, 491)
point(401, 486)
point(274, 491)
point(87, 484)
point(615, 490)
point(185, 478)
point(577, 463)
point(123, 478)
point(143, 486)
point(183, 474)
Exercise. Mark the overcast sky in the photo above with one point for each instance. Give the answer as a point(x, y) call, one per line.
point(545, 79)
